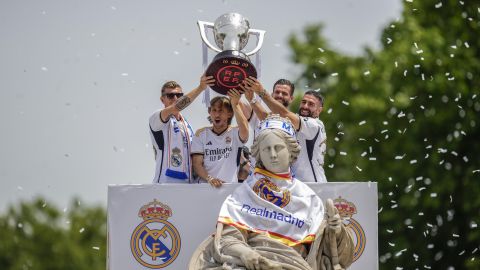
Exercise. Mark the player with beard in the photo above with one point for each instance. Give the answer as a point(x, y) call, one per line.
point(216, 149)
point(255, 112)
point(310, 130)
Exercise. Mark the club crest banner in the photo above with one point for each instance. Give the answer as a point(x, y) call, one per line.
point(159, 226)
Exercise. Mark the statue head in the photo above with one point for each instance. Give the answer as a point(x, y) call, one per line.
point(276, 147)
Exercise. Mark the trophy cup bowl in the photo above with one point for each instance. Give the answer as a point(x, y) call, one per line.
point(231, 65)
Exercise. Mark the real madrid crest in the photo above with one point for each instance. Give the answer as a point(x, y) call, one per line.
point(346, 210)
point(268, 191)
point(155, 243)
point(176, 158)
point(228, 140)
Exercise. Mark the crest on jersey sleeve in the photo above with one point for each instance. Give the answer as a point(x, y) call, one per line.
point(155, 243)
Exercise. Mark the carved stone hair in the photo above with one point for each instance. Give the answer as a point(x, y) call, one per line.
point(292, 145)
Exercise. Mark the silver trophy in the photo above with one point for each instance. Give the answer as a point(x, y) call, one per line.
point(231, 65)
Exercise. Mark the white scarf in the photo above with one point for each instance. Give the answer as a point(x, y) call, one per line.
point(178, 149)
point(277, 205)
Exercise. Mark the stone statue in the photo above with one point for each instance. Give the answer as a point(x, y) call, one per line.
point(274, 221)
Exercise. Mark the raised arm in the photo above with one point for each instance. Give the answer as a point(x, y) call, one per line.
point(184, 101)
point(257, 108)
point(275, 106)
point(241, 119)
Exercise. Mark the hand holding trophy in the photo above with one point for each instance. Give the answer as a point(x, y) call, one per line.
point(231, 65)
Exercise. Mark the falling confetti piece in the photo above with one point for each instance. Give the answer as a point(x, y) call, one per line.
point(334, 74)
point(81, 230)
point(96, 248)
point(345, 103)
point(362, 122)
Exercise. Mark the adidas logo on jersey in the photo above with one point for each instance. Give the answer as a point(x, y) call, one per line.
point(209, 143)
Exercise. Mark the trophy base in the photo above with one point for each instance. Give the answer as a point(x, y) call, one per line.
point(230, 68)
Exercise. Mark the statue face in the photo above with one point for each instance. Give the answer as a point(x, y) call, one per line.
point(274, 154)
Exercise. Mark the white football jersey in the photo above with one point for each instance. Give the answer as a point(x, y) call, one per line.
point(159, 133)
point(313, 139)
point(221, 152)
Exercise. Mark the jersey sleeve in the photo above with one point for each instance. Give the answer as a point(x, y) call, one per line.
point(198, 145)
point(310, 126)
point(156, 123)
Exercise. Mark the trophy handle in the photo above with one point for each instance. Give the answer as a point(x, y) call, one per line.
point(260, 35)
point(202, 27)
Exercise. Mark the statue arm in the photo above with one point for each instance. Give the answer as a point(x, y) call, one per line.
point(233, 244)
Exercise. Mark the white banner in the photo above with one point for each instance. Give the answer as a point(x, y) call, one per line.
point(158, 226)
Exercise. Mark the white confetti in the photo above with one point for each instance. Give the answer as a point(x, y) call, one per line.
point(401, 114)
point(362, 123)
point(466, 45)
point(81, 230)
point(330, 110)
point(419, 51)
point(320, 49)
point(96, 248)
point(400, 157)
point(372, 158)
point(366, 73)
point(433, 195)
point(439, 5)
point(334, 74)
point(413, 161)
point(389, 40)
point(345, 103)
point(363, 154)
point(343, 153)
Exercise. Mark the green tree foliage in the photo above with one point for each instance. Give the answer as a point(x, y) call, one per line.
point(407, 116)
point(36, 235)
